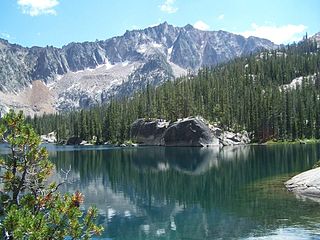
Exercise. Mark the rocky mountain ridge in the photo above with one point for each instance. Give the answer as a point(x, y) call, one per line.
point(80, 75)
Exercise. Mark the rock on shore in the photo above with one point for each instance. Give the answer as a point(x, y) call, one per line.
point(306, 184)
point(149, 132)
point(49, 138)
point(74, 141)
point(189, 132)
point(193, 131)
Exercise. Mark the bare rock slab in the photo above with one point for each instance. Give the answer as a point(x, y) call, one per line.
point(306, 184)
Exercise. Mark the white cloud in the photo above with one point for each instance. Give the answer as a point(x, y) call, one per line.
point(38, 7)
point(168, 7)
point(277, 34)
point(5, 35)
point(221, 17)
point(201, 25)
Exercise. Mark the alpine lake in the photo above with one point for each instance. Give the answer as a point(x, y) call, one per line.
point(192, 193)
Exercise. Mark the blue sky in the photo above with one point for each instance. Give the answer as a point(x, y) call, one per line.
point(58, 22)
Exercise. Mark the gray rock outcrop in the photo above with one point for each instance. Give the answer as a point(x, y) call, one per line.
point(193, 131)
point(149, 132)
point(190, 132)
point(49, 138)
point(229, 138)
point(306, 184)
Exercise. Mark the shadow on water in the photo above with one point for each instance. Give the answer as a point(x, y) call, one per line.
point(193, 193)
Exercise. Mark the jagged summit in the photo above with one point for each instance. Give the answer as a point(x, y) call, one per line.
point(188, 27)
point(79, 75)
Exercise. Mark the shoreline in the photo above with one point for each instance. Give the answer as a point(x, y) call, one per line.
point(132, 144)
point(289, 142)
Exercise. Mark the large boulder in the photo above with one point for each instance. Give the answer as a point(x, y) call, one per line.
point(190, 132)
point(148, 132)
point(49, 138)
point(74, 141)
point(228, 138)
point(306, 184)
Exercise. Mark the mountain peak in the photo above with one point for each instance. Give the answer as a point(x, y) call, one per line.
point(188, 27)
point(165, 23)
point(162, 27)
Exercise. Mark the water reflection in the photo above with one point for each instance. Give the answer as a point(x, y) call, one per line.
point(193, 193)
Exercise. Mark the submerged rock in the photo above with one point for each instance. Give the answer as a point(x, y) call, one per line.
point(306, 184)
point(193, 131)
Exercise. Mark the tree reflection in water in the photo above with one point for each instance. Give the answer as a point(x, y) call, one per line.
point(175, 193)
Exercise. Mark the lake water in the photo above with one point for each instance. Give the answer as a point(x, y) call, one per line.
point(193, 193)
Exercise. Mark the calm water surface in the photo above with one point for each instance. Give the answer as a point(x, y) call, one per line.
point(193, 193)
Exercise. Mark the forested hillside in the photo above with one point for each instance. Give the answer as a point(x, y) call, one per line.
point(274, 95)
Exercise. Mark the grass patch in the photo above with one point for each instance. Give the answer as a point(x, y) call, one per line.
point(297, 141)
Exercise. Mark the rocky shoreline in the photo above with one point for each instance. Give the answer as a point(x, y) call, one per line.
point(306, 184)
point(187, 132)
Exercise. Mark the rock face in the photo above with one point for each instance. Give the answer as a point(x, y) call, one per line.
point(150, 133)
point(306, 184)
point(80, 75)
point(228, 138)
point(195, 132)
point(190, 132)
